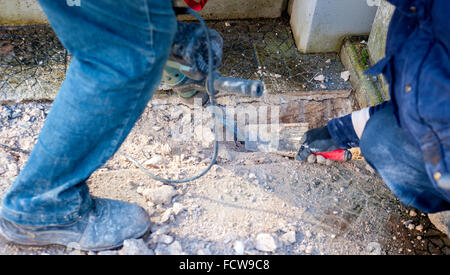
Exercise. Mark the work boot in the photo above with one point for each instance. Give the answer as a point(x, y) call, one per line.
point(105, 226)
point(441, 221)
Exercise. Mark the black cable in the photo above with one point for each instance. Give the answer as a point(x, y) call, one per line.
point(210, 88)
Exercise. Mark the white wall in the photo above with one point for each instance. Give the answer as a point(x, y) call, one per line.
point(320, 25)
point(22, 12)
point(240, 9)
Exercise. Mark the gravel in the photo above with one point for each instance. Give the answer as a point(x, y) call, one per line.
point(288, 238)
point(239, 247)
point(311, 158)
point(135, 247)
point(160, 195)
point(297, 208)
point(265, 242)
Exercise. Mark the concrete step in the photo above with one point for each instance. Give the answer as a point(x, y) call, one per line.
point(355, 56)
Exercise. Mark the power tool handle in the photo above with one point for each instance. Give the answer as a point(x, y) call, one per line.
point(338, 155)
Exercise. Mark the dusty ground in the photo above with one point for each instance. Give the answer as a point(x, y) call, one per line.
point(250, 203)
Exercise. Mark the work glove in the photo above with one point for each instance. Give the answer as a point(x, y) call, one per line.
point(316, 140)
point(190, 48)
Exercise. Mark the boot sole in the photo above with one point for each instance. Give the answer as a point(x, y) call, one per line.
point(32, 240)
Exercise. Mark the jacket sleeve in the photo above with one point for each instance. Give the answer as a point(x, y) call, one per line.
point(346, 131)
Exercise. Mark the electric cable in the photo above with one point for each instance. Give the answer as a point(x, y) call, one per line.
point(210, 88)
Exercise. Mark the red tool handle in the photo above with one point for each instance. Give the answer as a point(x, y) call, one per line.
point(339, 155)
point(197, 6)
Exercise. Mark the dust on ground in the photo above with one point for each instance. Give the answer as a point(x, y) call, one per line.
point(249, 203)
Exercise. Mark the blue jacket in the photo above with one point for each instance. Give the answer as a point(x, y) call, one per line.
point(417, 67)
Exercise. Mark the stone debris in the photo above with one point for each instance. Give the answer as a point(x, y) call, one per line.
point(320, 78)
point(345, 75)
point(155, 161)
point(239, 247)
point(309, 249)
point(229, 237)
point(370, 169)
point(8, 167)
point(412, 213)
point(204, 251)
point(160, 235)
point(161, 238)
point(177, 208)
point(165, 149)
point(419, 228)
point(320, 159)
point(140, 190)
point(160, 229)
point(437, 219)
point(311, 158)
point(135, 247)
point(288, 238)
point(166, 239)
point(165, 216)
point(308, 234)
point(265, 242)
point(175, 249)
point(373, 248)
point(160, 195)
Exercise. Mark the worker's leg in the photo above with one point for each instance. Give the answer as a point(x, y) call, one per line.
point(120, 48)
point(400, 163)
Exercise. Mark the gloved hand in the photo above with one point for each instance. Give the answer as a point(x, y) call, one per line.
point(316, 140)
point(190, 48)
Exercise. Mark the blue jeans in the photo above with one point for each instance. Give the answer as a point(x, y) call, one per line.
point(119, 50)
point(400, 163)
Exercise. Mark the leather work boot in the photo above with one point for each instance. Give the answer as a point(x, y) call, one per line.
point(441, 221)
point(105, 226)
